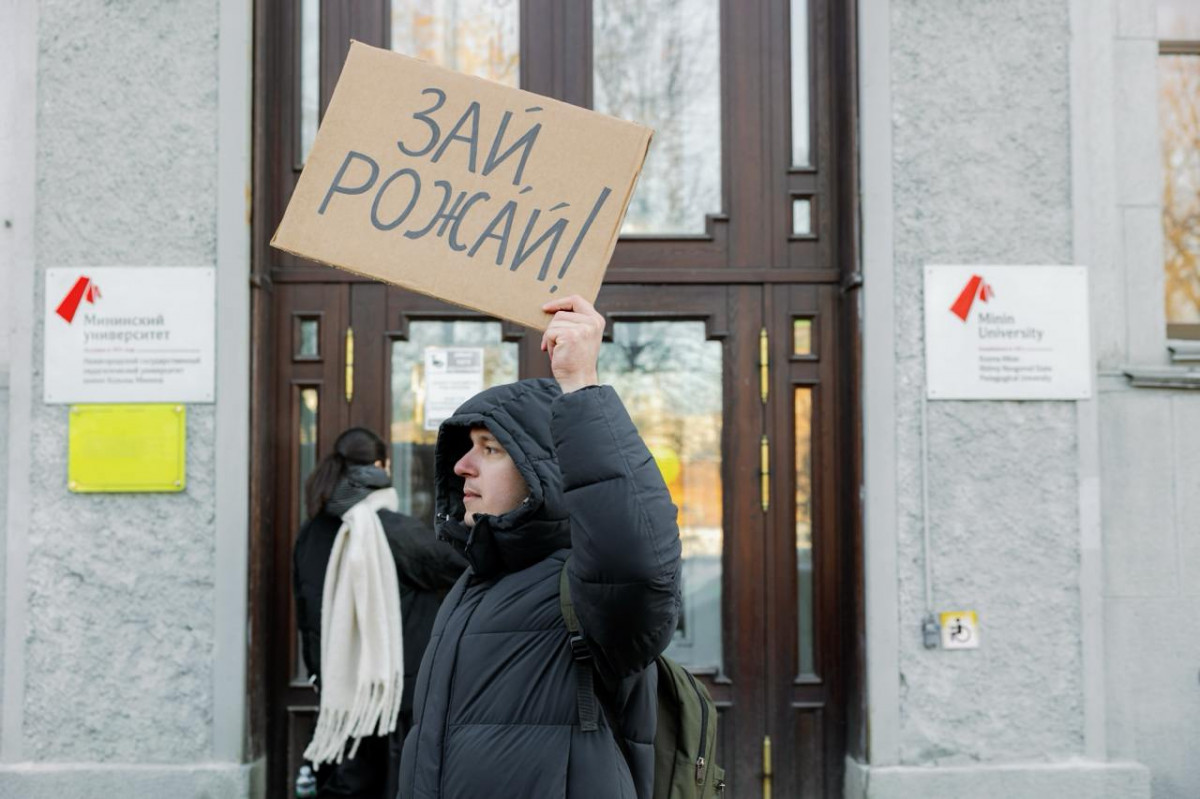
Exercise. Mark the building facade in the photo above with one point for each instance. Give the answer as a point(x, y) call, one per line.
point(767, 314)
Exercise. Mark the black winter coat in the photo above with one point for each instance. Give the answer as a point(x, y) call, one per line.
point(495, 712)
point(426, 568)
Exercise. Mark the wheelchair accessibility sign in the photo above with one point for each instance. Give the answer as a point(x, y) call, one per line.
point(960, 630)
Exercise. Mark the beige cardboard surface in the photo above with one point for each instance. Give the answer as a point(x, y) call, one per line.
point(485, 196)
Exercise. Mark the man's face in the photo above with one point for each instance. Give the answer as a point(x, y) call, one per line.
point(491, 482)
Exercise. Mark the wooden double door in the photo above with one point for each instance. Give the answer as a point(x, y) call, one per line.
point(731, 336)
point(734, 390)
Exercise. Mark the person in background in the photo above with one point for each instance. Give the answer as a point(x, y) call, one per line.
point(350, 487)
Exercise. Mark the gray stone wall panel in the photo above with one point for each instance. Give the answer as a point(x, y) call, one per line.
point(1185, 425)
point(120, 587)
point(1018, 781)
point(208, 781)
point(982, 175)
point(1155, 661)
point(119, 654)
point(3, 513)
point(127, 133)
point(1141, 556)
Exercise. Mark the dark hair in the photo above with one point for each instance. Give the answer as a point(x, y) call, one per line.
point(356, 446)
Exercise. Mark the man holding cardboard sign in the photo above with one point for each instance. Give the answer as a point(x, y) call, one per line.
point(504, 201)
point(527, 475)
point(482, 195)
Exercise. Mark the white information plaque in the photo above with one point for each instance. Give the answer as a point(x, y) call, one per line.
point(129, 334)
point(1007, 333)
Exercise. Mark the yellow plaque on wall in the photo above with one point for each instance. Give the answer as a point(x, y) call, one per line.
point(127, 448)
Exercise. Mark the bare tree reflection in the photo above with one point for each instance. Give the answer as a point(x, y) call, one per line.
point(1179, 113)
point(658, 63)
point(670, 379)
point(478, 37)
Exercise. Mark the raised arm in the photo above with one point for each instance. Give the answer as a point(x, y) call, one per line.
point(624, 571)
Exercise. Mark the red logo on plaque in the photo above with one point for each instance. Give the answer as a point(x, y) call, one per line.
point(975, 288)
point(83, 290)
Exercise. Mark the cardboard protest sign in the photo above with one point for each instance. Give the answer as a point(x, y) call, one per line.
point(482, 195)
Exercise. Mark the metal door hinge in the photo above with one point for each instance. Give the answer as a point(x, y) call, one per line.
point(764, 365)
point(766, 777)
point(349, 364)
point(765, 472)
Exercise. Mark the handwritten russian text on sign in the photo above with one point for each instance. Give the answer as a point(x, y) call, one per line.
point(479, 194)
point(1007, 332)
point(452, 376)
point(129, 334)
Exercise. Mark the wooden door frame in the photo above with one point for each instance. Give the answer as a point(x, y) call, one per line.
point(560, 74)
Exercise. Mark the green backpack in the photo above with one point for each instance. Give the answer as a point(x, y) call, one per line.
point(687, 718)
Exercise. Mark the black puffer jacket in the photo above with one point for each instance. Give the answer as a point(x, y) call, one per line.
point(495, 712)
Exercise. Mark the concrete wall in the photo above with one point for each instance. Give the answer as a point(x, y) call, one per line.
point(1152, 607)
point(983, 124)
point(125, 614)
point(1150, 440)
point(17, 103)
point(8, 88)
point(120, 587)
point(982, 175)
point(3, 504)
point(1026, 132)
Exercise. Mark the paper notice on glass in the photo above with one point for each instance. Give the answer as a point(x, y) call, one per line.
point(452, 376)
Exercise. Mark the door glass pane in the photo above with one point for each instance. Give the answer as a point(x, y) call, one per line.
point(658, 62)
point(802, 217)
point(307, 437)
point(310, 73)
point(802, 337)
point(478, 37)
point(1179, 123)
point(307, 409)
point(800, 121)
point(412, 442)
point(806, 656)
point(310, 336)
point(669, 377)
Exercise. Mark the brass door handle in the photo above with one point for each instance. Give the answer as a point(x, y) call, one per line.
point(766, 777)
point(349, 364)
point(764, 365)
point(764, 470)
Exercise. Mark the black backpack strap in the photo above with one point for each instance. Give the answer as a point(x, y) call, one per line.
point(585, 694)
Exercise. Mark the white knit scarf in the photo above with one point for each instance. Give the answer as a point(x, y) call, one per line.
point(362, 654)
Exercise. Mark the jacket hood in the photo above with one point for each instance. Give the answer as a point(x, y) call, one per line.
point(358, 481)
point(518, 415)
